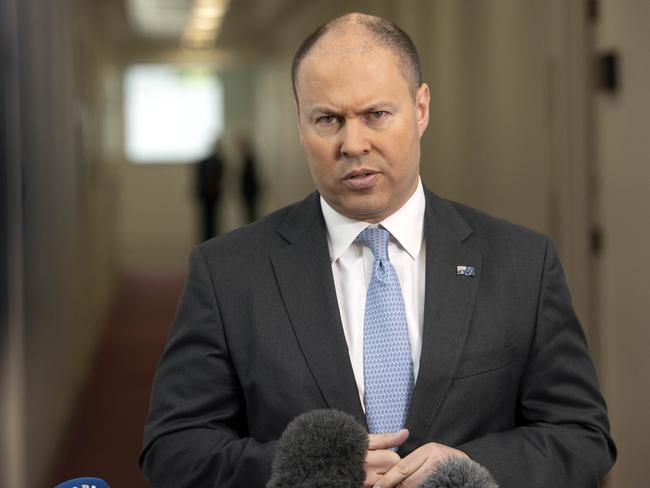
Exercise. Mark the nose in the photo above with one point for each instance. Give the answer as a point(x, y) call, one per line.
point(354, 140)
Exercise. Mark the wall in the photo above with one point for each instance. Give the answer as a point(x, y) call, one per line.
point(623, 152)
point(12, 453)
point(62, 259)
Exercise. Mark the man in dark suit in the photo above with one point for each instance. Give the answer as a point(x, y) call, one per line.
point(275, 319)
point(209, 180)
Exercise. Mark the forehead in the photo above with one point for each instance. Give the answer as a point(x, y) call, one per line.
point(348, 68)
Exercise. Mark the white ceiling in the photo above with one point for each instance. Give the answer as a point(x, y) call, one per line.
point(158, 18)
point(246, 20)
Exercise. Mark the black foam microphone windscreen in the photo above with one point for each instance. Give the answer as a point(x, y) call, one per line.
point(457, 472)
point(320, 449)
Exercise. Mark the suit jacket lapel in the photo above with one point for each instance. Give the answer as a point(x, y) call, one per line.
point(304, 275)
point(449, 301)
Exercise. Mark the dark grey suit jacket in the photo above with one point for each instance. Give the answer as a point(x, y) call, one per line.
point(505, 374)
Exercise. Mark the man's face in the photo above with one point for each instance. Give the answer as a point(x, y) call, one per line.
point(360, 126)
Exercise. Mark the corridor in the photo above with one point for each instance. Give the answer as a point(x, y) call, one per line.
point(539, 114)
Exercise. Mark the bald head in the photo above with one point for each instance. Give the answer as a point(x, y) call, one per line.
point(360, 32)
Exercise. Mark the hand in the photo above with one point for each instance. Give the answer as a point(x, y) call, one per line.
point(380, 459)
point(411, 471)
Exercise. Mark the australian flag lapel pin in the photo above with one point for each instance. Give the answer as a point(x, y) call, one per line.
point(465, 271)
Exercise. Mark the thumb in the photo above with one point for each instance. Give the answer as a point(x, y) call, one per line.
point(387, 440)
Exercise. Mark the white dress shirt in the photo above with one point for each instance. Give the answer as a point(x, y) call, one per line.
point(352, 269)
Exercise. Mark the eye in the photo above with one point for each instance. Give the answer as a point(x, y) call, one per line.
point(327, 120)
point(377, 115)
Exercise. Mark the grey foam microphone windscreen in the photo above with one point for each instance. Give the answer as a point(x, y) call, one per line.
point(320, 449)
point(457, 472)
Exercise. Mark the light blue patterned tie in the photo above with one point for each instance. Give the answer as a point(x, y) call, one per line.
point(387, 368)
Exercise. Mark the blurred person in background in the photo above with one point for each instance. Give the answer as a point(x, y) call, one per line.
point(250, 185)
point(442, 330)
point(209, 182)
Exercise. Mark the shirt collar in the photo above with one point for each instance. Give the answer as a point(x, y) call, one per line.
point(405, 225)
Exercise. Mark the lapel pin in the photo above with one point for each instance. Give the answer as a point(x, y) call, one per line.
point(465, 271)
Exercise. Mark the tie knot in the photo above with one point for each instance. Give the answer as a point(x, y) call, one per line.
point(376, 238)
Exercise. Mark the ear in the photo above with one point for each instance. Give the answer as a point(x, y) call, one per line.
point(422, 99)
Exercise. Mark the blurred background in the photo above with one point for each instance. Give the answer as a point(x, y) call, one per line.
point(540, 114)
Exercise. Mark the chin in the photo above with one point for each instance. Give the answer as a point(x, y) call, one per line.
point(361, 207)
point(368, 214)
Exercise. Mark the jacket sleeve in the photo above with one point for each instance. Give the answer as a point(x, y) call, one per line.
point(562, 438)
point(196, 431)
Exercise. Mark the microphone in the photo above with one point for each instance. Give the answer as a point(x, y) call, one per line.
point(83, 483)
point(457, 472)
point(327, 449)
point(320, 449)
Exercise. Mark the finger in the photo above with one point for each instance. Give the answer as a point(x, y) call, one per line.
point(387, 440)
point(377, 463)
point(415, 479)
point(402, 472)
point(420, 475)
point(371, 479)
point(381, 460)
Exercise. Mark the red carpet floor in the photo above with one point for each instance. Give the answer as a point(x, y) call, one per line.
point(105, 435)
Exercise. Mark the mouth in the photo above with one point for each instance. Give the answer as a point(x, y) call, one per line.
point(361, 179)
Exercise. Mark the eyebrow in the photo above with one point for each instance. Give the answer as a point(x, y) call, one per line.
point(378, 106)
point(323, 109)
point(373, 107)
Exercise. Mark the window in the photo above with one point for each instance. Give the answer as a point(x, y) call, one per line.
point(173, 113)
